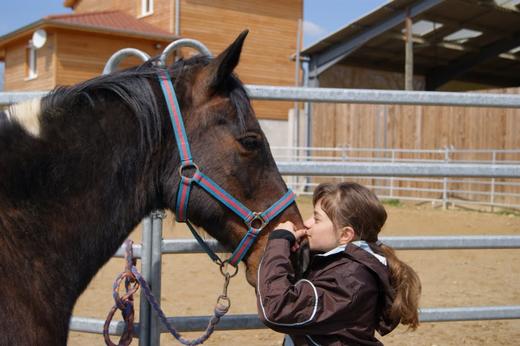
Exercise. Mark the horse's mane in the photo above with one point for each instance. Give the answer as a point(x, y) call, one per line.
point(133, 88)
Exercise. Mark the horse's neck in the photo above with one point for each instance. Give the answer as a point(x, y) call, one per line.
point(68, 200)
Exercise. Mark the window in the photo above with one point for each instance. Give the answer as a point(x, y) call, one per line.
point(30, 61)
point(146, 7)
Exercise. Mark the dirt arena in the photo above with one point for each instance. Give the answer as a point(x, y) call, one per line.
point(450, 278)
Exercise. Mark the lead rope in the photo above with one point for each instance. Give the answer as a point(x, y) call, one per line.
point(134, 279)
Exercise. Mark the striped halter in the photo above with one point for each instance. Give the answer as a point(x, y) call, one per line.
point(259, 219)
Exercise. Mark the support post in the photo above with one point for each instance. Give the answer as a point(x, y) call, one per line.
point(156, 264)
point(445, 181)
point(492, 202)
point(408, 69)
point(146, 256)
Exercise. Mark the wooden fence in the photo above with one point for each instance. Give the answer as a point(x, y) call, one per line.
point(424, 127)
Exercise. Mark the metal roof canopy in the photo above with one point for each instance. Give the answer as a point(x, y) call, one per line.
point(376, 41)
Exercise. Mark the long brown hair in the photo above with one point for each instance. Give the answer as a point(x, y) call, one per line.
point(352, 204)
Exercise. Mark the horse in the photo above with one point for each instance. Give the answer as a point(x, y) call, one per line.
point(81, 167)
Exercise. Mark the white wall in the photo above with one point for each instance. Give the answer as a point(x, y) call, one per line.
point(276, 131)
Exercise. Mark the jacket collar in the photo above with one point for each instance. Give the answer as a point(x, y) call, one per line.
point(359, 243)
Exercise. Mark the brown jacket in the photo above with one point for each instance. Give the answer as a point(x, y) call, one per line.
point(341, 300)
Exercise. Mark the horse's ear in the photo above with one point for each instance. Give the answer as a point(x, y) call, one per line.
point(224, 64)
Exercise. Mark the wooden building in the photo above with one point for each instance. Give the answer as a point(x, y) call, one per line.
point(79, 44)
point(456, 45)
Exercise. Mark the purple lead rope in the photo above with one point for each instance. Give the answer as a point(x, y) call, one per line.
point(134, 279)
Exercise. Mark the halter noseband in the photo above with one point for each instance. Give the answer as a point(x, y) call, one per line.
point(183, 195)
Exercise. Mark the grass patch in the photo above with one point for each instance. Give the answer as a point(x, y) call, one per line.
point(393, 202)
point(508, 212)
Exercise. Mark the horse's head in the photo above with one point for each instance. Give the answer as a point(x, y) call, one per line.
point(229, 146)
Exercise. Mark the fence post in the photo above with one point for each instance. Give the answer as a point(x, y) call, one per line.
point(392, 178)
point(445, 180)
point(146, 256)
point(494, 158)
point(156, 264)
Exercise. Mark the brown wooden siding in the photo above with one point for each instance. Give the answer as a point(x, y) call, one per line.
point(15, 75)
point(128, 6)
point(82, 56)
point(273, 26)
point(341, 76)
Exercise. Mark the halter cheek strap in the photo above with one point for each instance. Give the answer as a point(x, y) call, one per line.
point(255, 221)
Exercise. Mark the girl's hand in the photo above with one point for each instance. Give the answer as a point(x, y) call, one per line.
point(298, 234)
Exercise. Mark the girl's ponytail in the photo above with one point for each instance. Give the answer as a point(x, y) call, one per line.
point(407, 286)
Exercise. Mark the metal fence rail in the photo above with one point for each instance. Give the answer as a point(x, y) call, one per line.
point(251, 321)
point(264, 92)
point(371, 169)
point(190, 246)
point(398, 97)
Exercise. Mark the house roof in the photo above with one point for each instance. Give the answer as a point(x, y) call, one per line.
point(112, 22)
point(486, 51)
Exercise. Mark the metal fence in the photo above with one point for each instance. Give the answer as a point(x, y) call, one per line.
point(153, 246)
point(489, 193)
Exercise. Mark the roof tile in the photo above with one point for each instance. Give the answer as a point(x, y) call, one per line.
point(109, 20)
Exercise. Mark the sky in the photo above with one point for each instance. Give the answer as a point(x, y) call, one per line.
point(321, 17)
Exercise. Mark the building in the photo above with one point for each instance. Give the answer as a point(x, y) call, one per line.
point(454, 45)
point(433, 45)
point(79, 44)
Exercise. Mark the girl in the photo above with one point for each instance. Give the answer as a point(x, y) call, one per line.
point(355, 285)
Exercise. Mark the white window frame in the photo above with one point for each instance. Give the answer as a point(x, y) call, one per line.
point(146, 7)
point(32, 60)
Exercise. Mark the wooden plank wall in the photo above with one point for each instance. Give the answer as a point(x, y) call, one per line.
point(273, 26)
point(82, 56)
point(422, 127)
point(15, 76)
point(128, 6)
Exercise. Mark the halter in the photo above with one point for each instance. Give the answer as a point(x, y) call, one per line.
point(255, 221)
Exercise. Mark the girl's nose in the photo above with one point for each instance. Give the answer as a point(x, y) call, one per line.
point(309, 222)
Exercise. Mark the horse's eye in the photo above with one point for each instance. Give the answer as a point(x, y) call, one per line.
point(251, 142)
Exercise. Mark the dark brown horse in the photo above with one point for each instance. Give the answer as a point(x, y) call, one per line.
point(81, 169)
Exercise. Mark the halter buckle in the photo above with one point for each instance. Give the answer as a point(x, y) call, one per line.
point(254, 217)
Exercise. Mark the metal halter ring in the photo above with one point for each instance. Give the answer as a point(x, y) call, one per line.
point(254, 217)
point(223, 272)
point(186, 165)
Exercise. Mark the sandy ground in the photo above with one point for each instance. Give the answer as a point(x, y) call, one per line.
point(450, 278)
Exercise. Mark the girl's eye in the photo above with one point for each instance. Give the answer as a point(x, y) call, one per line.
point(251, 142)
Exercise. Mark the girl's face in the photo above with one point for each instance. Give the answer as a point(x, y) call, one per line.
point(321, 232)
